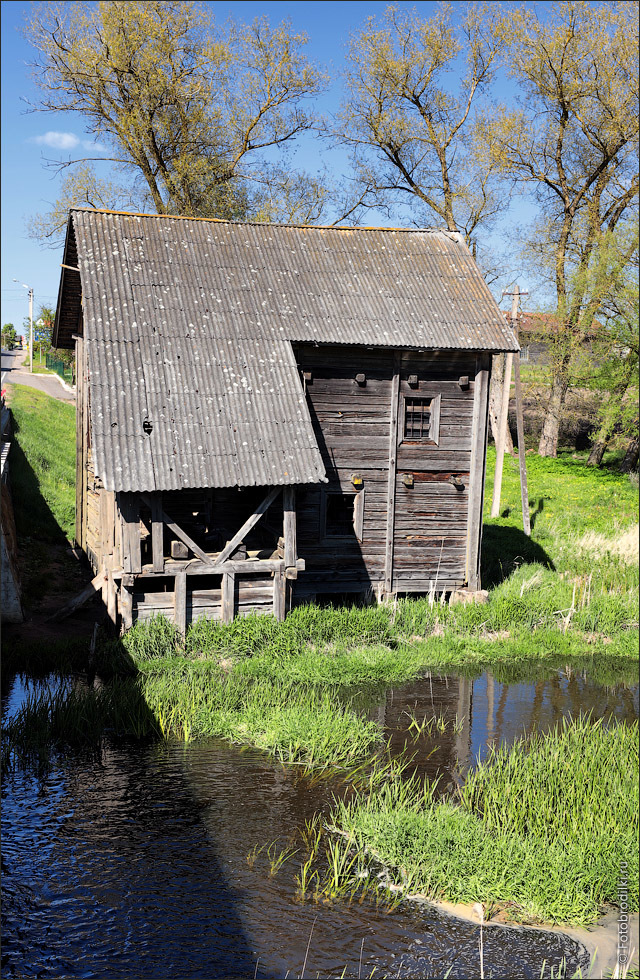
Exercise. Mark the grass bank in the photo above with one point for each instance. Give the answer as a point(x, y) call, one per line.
point(542, 830)
point(43, 466)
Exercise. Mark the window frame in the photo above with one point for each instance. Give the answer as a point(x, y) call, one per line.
point(433, 436)
point(358, 515)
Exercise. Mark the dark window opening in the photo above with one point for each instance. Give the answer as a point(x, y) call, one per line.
point(339, 515)
point(417, 418)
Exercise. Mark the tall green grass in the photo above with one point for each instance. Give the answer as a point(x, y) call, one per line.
point(541, 828)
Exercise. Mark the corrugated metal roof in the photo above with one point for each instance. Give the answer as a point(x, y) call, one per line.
point(188, 327)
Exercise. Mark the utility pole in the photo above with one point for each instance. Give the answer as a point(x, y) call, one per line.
point(31, 330)
point(30, 323)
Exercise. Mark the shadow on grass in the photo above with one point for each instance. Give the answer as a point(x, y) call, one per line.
point(504, 549)
point(33, 516)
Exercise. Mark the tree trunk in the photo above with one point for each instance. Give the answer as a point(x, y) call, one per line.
point(597, 452)
point(630, 462)
point(548, 445)
point(495, 399)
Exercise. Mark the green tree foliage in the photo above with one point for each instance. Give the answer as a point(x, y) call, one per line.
point(8, 335)
point(573, 143)
point(410, 126)
point(191, 113)
point(614, 370)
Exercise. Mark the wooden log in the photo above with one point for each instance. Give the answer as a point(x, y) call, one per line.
point(79, 600)
point(391, 473)
point(228, 596)
point(180, 602)
point(240, 535)
point(157, 533)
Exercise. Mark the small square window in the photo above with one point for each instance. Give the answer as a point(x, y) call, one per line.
point(421, 419)
point(417, 418)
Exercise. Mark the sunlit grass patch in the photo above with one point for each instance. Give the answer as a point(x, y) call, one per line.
point(541, 828)
point(622, 544)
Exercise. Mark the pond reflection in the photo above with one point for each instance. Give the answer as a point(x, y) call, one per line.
point(135, 864)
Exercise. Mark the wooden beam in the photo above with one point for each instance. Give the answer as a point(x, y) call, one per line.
point(240, 535)
point(157, 533)
point(479, 431)
point(391, 475)
point(180, 602)
point(251, 567)
point(289, 531)
point(228, 602)
point(87, 593)
point(179, 533)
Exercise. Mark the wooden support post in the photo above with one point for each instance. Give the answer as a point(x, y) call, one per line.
point(479, 432)
point(289, 531)
point(87, 593)
point(502, 436)
point(126, 601)
point(130, 519)
point(228, 606)
point(112, 603)
point(279, 592)
point(522, 460)
point(180, 601)
point(177, 530)
point(240, 535)
point(157, 533)
point(391, 476)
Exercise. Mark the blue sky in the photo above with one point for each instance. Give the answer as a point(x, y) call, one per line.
point(28, 138)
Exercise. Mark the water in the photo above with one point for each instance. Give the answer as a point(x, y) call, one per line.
point(135, 864)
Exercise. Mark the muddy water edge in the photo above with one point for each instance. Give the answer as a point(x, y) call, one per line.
point(155, 859)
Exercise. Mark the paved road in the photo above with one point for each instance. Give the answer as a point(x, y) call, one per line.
point(14, 373)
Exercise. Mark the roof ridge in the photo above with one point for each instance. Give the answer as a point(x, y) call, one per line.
point(268, 224)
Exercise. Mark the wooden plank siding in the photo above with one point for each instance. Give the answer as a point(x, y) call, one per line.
point(412, 536)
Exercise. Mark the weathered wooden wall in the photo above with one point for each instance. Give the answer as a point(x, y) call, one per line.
point(417, 517)
point(413, 537)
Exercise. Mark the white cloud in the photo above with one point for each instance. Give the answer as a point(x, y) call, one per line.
point(66, 141)
point(57, 141)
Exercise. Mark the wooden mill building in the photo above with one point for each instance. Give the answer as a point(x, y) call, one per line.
point(269, 413)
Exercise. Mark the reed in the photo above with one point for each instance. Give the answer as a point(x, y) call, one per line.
point(540, 829)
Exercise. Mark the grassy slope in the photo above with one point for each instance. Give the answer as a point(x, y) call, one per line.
point(43, 464)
